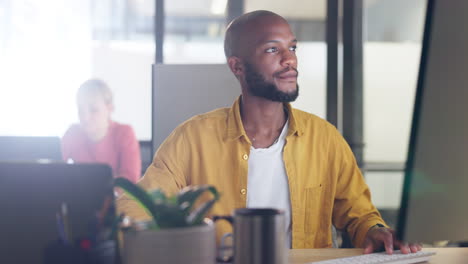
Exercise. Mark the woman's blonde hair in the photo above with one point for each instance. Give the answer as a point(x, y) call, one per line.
point(96, 86)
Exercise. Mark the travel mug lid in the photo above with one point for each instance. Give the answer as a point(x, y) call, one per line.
point(257, 212)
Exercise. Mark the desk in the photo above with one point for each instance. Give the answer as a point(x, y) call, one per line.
point(443, 255)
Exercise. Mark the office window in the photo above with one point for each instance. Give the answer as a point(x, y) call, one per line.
point(393, 34)
point(307, 20)
point(123, 51)
point(48, 48)
point(41, 63)
point(194, 31)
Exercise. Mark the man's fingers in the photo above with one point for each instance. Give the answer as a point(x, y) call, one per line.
point(378, 239)
point(368, 247)
point(394, 235)
point(415, 247)
point(404, 248)
point(419, 246)
point(388, 241)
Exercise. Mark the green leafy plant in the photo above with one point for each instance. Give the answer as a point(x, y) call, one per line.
point(173, 211)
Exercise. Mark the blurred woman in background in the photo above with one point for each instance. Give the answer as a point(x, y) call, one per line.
point(98, 139)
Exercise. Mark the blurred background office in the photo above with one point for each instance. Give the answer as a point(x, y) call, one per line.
point(47, 48)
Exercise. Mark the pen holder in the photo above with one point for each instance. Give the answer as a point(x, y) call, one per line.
point(82, 252)
point(58, 252)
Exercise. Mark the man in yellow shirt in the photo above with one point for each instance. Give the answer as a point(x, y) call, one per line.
point(262, 153)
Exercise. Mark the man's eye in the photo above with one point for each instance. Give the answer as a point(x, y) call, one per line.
point(270, 50)
point(293, 48)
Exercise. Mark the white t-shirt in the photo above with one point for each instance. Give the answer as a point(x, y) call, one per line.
point(267, 182)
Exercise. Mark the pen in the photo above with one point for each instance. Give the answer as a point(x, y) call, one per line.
point(66, 223)
point(60, 229)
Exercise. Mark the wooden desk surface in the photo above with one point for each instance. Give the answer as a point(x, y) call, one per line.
point(443, 255)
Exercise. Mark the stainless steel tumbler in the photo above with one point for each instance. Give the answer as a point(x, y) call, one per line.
point(259, 236)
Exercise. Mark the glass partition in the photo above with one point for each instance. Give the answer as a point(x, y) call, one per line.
point(392, 49)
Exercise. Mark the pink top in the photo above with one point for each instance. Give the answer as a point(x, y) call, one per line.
point(119, 149)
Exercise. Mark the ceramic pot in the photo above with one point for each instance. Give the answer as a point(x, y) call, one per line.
point(196, 245)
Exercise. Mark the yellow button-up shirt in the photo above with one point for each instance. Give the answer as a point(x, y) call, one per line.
point(325, 184)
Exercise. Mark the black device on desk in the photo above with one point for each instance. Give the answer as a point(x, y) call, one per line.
point(57, 213)
point(434, 204)
point(14, 148)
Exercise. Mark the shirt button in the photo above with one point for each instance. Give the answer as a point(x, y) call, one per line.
point(245, 156)
point(243, 191)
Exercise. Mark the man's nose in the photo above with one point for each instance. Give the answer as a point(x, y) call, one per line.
point(289, 59)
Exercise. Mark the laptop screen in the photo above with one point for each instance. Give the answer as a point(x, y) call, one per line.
point(30, 148)
point(56, 213)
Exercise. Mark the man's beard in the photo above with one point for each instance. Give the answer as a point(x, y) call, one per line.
point(258, 86)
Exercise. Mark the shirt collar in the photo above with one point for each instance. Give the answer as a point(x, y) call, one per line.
point(235, 128)
point(295, 124)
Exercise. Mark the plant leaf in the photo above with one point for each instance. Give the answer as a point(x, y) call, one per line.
point(187, 197)
point(170, 216)
point(172, 200)
point(158, 196)
point(140, 195)
point(197, 215)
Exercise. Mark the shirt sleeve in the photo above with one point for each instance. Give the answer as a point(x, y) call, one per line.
point(130, 157)
point(353, 209)
point(167, 172)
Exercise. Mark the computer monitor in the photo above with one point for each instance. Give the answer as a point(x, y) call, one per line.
point(14, 148)
point(56, 213)
point(435, 194)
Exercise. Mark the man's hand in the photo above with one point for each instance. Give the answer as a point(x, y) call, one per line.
point(378, 238)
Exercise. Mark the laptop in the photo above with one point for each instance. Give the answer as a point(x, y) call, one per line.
point(56, 213)
point(14, 148)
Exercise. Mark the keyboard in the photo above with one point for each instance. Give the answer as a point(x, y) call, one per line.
point(376, 258)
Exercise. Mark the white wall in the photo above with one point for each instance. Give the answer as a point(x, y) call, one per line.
point(126, 67)
point(390, 78)
point(386, 188)
point(312, 67)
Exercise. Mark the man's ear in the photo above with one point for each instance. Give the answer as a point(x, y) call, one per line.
point(236, 65)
